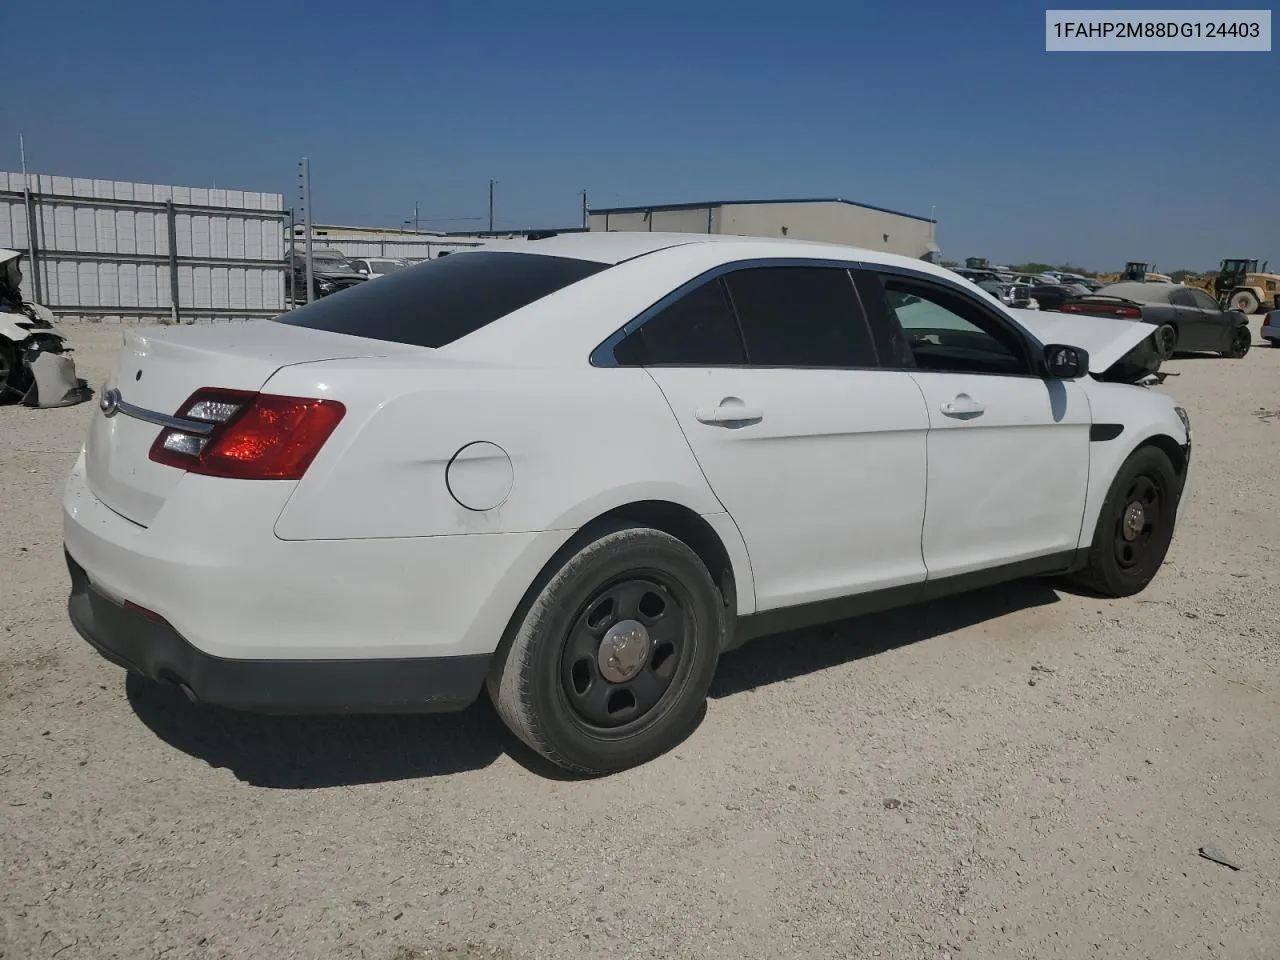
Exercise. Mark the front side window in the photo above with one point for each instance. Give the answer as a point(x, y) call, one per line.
point(947, 332)
point(801, 317)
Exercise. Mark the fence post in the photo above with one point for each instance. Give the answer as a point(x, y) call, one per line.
point(174, 313)
point(37, 289)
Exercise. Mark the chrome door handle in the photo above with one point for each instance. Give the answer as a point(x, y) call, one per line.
point(730, 412)
point(962, 406)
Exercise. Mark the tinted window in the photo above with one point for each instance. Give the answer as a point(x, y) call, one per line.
point(1203, 300)
point(1182, 298)
point(948, 332)
point(697, 329)
point(437, 302)
point(801, 317)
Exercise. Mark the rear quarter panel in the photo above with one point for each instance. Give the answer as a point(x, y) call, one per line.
point(580, 442)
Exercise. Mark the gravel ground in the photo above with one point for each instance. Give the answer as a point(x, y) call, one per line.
point(1022, 772)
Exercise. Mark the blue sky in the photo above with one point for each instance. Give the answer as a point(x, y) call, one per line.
point(1026, 155)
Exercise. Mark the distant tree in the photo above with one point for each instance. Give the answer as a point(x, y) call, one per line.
point(951, 264)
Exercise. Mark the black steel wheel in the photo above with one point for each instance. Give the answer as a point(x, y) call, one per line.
point(609, 661)
point(1241, 341)
point(1135, 525)
point(624, 650)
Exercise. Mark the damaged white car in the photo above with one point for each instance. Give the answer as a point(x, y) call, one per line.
point(580, 471)
point(35, 366)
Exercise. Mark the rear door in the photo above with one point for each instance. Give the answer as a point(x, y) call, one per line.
point(816, 452)
point(1008, 451)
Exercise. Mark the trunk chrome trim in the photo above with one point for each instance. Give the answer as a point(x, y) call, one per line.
point(112, 403)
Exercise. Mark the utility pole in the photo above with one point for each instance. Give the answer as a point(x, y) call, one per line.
point(491, 182)
point(584, 209)
point(415, 217)
point(305, 175)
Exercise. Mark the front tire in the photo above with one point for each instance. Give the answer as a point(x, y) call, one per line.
point(610, 664)
point(1245, 302)
point(13, 375)
point(1135, 526)
point(1241, 341)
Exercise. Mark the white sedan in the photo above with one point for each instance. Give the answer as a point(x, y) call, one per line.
point(580, 470)
point(374, 267)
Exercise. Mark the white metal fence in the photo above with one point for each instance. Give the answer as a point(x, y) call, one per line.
point(109, 250)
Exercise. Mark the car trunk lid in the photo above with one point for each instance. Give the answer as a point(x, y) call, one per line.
point(160, 368)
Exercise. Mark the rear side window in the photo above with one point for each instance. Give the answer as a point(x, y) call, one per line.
point(801, 317)
point(698, 329)
point(440, 301)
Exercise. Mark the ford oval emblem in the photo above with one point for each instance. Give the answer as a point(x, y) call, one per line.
point(110, 402)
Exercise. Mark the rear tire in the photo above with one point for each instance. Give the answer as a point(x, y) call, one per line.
point(1241, 341)
point(610, 664)
point(1135, 526)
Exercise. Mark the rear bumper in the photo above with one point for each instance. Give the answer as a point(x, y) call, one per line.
point(152, 648)
point(247, 620)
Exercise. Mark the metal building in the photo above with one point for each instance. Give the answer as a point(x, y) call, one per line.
point(833, 220)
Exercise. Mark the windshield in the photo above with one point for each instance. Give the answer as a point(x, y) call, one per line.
point(440, 301)
point(385, 266)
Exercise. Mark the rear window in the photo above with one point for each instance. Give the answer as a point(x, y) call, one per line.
point(440, 301)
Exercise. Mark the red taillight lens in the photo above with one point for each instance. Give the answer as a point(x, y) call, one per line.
point(1102, 309)
point(252, 436)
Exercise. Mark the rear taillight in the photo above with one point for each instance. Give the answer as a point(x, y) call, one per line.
point(1102, 309)
point(247, 436)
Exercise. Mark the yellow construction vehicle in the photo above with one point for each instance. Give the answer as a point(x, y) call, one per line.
point(1136, 272)
point(1242, 286)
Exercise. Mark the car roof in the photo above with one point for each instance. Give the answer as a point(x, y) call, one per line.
point(1141, 292)
point(614, 247)
point(642, 269)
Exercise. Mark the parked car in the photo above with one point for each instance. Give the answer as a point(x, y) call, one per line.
point(1271, 326)
point(331, 272)
point(370, 267)
point(1011, 294)
point(36, 367)
point(1198, 322)
point(1051, 296)
point(581, 470)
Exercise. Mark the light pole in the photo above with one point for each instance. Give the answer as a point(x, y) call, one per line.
point(491, 183)
point(306, 223)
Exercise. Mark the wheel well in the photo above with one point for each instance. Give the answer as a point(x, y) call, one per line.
point(685, 525)
point(1170, 448)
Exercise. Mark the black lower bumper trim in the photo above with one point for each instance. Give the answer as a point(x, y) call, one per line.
point(153, 648)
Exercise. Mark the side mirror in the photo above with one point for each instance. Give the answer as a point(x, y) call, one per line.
point(1065, 363)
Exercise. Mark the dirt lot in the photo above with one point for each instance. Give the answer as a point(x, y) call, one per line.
point(1020, 773)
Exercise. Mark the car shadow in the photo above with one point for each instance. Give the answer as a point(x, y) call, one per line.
point(782, 657)
point(307, 752)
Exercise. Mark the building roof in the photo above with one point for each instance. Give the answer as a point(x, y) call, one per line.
point(731, 203)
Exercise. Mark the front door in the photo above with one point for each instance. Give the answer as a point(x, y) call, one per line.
point(1008, 451)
